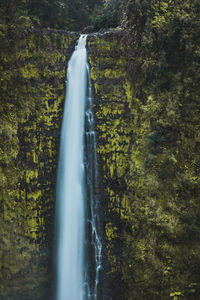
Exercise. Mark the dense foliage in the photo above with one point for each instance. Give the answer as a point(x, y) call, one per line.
point(64, 14)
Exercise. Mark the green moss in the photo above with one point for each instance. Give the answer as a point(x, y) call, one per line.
point(30, 71)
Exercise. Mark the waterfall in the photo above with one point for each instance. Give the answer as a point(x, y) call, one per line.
point(78, 244)
point(94, 243)
point(71, 181)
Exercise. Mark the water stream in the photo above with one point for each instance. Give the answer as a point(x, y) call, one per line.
point(78, 243)
point(94, 247)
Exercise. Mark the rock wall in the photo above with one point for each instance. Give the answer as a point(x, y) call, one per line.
point(113, 107)
point(32, 94)
point(148, 157)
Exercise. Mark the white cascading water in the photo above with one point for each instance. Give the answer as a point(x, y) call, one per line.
point(78, 243)
point(94, 260)
point(71, 182)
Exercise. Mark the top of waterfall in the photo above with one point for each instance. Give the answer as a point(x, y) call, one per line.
point(81, 42)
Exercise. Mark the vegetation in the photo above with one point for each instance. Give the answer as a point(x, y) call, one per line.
point(63, 14)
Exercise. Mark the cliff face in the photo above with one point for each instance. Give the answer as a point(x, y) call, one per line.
point(32, 93)
point(147, 113)
point(148, 156)
point(114, 115)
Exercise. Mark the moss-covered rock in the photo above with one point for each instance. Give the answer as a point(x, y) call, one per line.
point(32, 95)
point(148, 141)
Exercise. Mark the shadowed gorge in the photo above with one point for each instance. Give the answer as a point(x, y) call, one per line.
point(144, 69)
